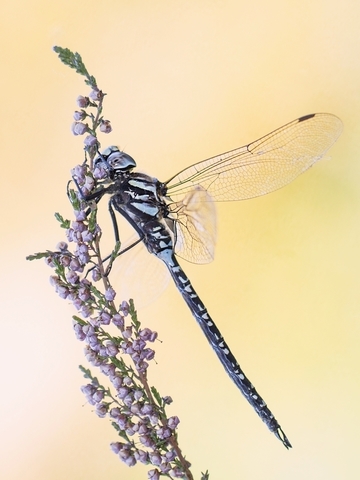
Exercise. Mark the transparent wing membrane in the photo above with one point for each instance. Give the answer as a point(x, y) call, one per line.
point(262, 166)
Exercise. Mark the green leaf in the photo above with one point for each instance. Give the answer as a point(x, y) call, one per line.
point(79, 320)
point(156, 395)
point(133, 315)
point(74, 60)
point(92, 220)
point(37, 256)
point(63, 222)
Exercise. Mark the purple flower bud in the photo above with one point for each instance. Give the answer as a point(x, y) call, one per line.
point(115, 447)
point(62, 246)
point(147, 441)
point(130, 461)
point(79, 128)
point(127, 332)
point(117, 381)
point(62, 291)
point(155, 458)
point(98, 396)
point(78, 303)
point(153, 474)
point(135, 409)
point(148, 354)
point(138, 394)
point(115, 412)
point(173, 422)
point(86, 311)
point(170, 455)
point(118, 320)
point(96, 94)
point(84, 294)
point(50, 262)
point(147, 409)
point(101, 410)
point(90, 141)
point(89, 182)
point(143, 429)
point(110, 294)
point(111, 349)
point(80, 335)
point(122, 421)
point(105, 126)
point(88, 390)
point(142, 456)
point(91, 356)
point(82, 102)
point(128, 400)
point(122, 392)
point(80, 215)
point(72, 277)
point(124, 308)
point(163, 433)
point(78, 116)
point(87, 236)
point(154, 419)
point(95, 274)
point(54, 280)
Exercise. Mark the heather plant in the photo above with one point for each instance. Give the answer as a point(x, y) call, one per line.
point(81, 275)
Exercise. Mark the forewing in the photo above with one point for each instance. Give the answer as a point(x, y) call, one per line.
point(263, 166)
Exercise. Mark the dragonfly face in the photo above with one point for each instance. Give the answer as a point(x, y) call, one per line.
point(115, 162)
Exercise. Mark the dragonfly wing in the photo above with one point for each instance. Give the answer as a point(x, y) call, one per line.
point(262, 166)
point(195, 234)
point(137, 274)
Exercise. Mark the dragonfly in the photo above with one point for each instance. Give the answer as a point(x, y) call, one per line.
point(177, 217)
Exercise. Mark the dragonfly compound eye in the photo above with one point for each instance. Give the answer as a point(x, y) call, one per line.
point(116, 159)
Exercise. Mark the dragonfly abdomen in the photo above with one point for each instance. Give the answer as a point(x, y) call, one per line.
point(219, 345)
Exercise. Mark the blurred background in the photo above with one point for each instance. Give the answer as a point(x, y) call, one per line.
point(186, 81)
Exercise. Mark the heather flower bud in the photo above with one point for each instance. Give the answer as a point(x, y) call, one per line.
point(122, 392)
point(142, 456)
point(78, 116)
point(153, 474)
point(124, 308)
point(173, 422)
point(86, 311)
point(96, 275)
point(90, 141)
point(79, 128)
point(110, 294)
point(82, 102)
point(62, 246)
point(130, 461)
point(86, 236)
point(80, 215)
point(127, 332)
point(72, 277)
point(115, 412)
point(111, 349)
point(118, 320)
point(115, 447)
point(155, 459)
point(105, 126)
point(101, 410)
point(98, 396)
point(96, 95)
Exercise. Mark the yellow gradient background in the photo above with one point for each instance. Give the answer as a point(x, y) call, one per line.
point(185, 81)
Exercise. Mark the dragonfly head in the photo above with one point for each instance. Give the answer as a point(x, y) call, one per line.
point(114, 161)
